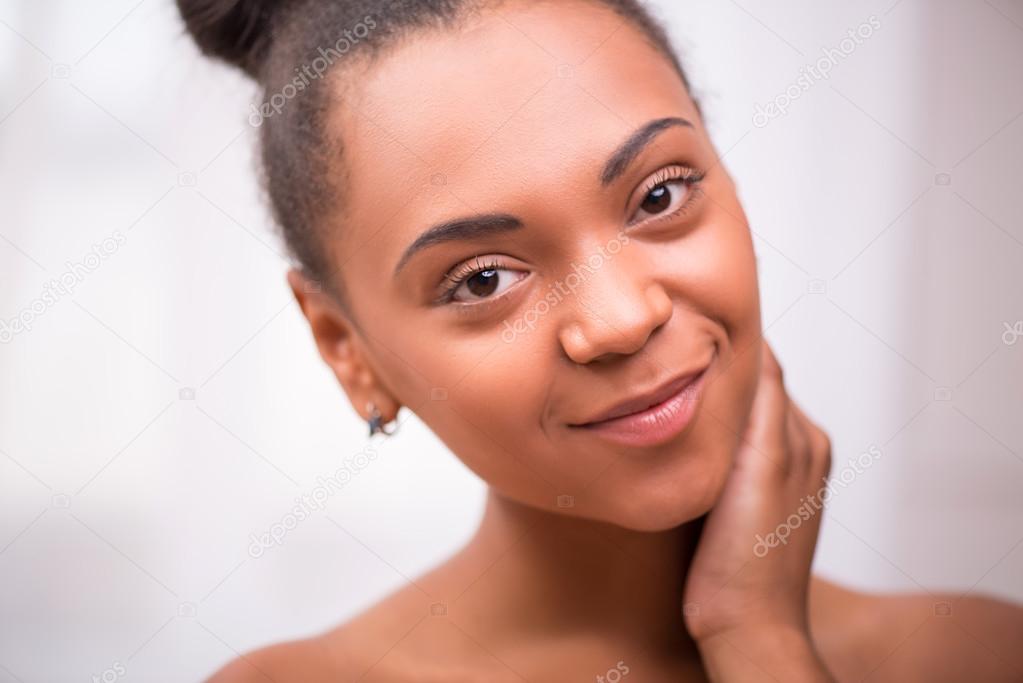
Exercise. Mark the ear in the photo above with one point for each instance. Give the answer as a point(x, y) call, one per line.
point(341, 348)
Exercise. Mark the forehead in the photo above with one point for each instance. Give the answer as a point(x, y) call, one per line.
point(520, 100)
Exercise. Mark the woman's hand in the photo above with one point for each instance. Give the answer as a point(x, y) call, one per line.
point(746, 589)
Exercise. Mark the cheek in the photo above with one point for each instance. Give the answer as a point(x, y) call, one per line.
point(492, 418)
point(484, 409)
point(723, 285)
point(716, 270)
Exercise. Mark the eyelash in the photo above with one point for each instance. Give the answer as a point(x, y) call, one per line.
point(689, 176)
point(460, 274)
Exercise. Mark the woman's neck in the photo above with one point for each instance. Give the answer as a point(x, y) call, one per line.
point(555, 574)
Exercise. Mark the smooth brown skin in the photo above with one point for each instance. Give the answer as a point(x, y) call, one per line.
point(480, 119)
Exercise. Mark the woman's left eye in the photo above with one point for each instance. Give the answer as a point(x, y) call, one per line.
point(663, 199)
point(482, 283)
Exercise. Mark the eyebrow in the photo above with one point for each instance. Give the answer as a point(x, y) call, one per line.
point(469, 228)
point(636, 143)
point(485, 225)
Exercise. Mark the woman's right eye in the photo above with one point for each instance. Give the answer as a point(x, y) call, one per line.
point(480, 282)
point(484, 285)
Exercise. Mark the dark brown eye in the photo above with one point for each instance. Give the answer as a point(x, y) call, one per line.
point(486, 282)
point(657, 201)
point(482, 284)
point(665, 198)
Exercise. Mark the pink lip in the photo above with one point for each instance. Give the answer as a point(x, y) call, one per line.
point(674, 409)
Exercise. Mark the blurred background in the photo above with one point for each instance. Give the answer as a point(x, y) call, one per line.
point(162, 404)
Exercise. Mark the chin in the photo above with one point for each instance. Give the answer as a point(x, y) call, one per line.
point(669, 501)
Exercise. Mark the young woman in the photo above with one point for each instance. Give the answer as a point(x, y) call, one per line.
point(508, 217)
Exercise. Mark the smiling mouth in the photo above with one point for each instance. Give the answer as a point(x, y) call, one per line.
point(652, 418)
point(646, 401)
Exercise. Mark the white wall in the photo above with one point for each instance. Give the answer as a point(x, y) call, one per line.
point(126, 510)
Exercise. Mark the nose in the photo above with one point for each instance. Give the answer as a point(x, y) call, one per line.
point(614, 314)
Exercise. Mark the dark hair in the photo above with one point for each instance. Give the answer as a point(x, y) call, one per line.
point(278, 42)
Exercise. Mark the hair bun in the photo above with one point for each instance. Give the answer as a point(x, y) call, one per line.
point(236, 31)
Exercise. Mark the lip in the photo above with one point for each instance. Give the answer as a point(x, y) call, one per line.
point(653, 417)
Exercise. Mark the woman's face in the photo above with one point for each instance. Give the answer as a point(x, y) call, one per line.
point(516, 268)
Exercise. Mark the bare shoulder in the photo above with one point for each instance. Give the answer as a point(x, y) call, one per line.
point(400, 638)
point(916, 636)
point(291, 661)
point(354, 650)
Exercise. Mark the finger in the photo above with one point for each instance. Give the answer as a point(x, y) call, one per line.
point(769, 362)
point(808, 446)
point(799, 448)
point(768, 427)
point(818, 442)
